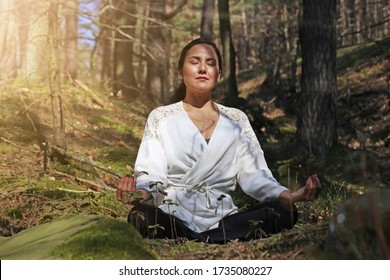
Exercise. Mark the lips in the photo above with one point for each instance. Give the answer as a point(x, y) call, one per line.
point(202, 78)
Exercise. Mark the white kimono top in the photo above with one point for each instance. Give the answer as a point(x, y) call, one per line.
point(193, 173)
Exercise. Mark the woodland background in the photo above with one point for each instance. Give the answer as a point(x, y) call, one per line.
point(78, 79)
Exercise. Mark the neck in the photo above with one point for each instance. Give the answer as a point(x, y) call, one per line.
point(198, 101)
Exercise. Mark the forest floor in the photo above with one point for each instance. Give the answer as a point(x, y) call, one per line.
point(103, 133)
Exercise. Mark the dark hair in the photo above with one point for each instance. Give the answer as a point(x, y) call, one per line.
point(180, 92)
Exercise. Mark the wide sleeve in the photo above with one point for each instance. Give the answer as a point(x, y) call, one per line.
point(254, 176)
point(151, 164)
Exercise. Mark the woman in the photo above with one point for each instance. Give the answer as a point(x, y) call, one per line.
point(193, 153)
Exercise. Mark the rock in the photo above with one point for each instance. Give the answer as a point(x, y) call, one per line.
point(360, 229)
point(77, 237)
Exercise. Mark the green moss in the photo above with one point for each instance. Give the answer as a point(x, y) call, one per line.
point(285, 125)
point(16, 182)
point(116, 158)
point(173, 249)
point(109, 122)
point(4, 148)
point(77, 237)
point(38, 242)
point(108, 239)
point(65, 168)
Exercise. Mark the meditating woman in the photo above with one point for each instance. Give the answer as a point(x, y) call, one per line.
point(195, 152)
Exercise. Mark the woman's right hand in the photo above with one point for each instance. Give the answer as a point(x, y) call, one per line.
point(127, 192)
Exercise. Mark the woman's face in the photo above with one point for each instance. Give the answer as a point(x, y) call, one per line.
point(200, 71)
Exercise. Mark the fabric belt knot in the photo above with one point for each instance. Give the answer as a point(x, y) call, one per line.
point(201, 187)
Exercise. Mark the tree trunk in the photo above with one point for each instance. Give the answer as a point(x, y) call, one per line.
point(141, 71)
point(159, 48)
point(7, 39)
point(380, 30)
point(316, 127)
point(358, 21)
point(53, 39)
point(5, 12)
point(244, 52)
point(35, 60)
point(157, 76)
point(344, 26)
point(364, 20)
point(295, 54)
point(206, 25)
point(106, 44)
point(171, 75)
point(386, 16)
point(229, 53)
point(71, 49)
point(124, 78)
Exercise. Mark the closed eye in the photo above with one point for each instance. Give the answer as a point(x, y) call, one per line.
point(211, 62)
point(194, 61)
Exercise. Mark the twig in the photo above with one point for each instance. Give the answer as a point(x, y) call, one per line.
point(90, 135)
point(85, 161)
point(27, 114)
point(12, 144)
point(113, 213)
point(27, 107)
point(77, 191)
point(37, 195)
point(84, 87)
point(94, 186)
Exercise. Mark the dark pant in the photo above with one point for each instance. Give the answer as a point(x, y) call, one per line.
point(256, 222)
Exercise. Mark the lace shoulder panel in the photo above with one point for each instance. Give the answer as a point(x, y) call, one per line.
point(239, 118)
point(157, 116)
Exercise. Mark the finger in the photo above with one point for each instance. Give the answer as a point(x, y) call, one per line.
point(309, 184)
point(125, 185)
point(315, 180)
point(310, 190)
point(133, 185)
point(128, 183)
point(317, 185)
point(119, 189)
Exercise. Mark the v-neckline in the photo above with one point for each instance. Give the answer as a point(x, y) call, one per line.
point(206, 140)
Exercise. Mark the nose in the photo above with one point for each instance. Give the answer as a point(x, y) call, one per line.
point(202, 68)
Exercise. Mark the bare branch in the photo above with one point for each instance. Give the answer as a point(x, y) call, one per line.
point(86, 161)
point(92, 185)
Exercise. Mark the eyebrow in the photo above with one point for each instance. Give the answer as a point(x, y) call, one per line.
point(199, 58)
